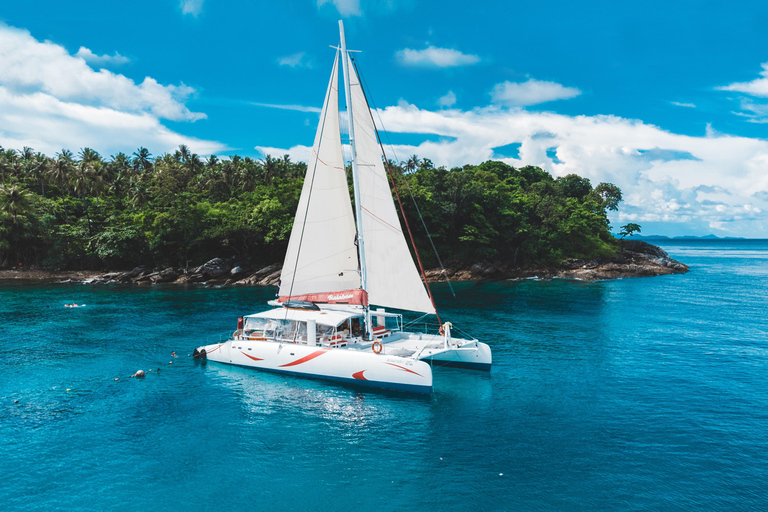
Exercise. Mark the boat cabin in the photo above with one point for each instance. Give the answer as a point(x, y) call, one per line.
point(324, 327)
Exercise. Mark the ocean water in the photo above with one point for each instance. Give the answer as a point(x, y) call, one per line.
point(634, 394)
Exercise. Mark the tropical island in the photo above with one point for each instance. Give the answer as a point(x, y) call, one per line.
point(179, 217)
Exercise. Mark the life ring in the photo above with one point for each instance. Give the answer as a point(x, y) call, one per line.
point(441, 330)
point(376, 347)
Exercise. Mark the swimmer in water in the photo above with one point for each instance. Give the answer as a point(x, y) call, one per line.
point(173, 354)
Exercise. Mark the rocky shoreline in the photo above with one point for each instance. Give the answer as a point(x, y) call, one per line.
point(636, 259)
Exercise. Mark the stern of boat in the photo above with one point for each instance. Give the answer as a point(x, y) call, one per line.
point(213, 352)
point(471, 355)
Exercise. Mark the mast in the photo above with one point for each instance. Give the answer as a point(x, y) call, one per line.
point(355, 179)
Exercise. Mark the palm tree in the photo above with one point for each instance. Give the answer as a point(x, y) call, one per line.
point(60, 170)
point(412, 163)
point(248, 175)
point(141, 160)
point(15, 202)
point(270, 168)
point(85, 175)
point(183, 153)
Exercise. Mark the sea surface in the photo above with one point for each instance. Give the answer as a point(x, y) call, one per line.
point(638, 394)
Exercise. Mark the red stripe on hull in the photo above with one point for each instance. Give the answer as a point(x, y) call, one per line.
point(251, 357)
point(305, 358)
point(359, 375)
point(404, 369)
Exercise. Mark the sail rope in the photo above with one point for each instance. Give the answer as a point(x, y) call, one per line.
point(397, 194)
point(407, 185)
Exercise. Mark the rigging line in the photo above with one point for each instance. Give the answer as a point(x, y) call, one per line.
point(314, 173)
point(407, 185)
point(402, 211)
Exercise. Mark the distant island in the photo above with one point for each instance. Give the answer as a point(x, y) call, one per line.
point(687, 237)
point(179, 217)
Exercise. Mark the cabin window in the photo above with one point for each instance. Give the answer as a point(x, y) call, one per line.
point(259, 328)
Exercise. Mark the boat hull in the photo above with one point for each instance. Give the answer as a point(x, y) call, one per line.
point(358, 368)
point(472, 356)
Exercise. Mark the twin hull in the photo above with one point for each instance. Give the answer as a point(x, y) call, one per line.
point(360, 368)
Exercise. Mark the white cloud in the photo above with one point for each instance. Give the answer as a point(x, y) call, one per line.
point(101, 60)
point(27, 64)
point(193, 7)
point(297, 108)
point(344, 7)
point(47, 124)
point(297, 153)
point(686, 105)
point(447, 101)
point(752, 109)
point(665, 177)
point(757, 87)
point(295, 60)
point(531, 92)
point(50, 99)
point(433, 57)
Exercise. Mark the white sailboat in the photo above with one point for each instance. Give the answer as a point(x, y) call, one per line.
point(339, 264)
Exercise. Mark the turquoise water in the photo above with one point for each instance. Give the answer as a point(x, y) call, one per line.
point(636, 394)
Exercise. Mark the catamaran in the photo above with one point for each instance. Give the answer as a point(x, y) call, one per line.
point(343, 269)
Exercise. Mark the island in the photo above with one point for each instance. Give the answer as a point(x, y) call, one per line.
point(183, 218)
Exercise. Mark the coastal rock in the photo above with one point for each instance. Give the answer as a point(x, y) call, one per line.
point(264, 276)
point(211, 269)
point(166, 276)
point(136, 272)
point(635, 259)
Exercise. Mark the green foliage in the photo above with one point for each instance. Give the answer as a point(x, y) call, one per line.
point(179, 209)
point(629, 229)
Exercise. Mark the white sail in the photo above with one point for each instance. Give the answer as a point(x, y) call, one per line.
point(393, 279)
point(321, 255)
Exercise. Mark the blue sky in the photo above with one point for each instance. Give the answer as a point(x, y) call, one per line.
point(669, 100)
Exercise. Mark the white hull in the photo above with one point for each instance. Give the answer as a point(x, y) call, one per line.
point(357, 367)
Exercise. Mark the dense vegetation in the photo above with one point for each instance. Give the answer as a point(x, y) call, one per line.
point(87, 212)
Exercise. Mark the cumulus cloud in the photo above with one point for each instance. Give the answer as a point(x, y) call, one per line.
point(703, 182)
point(50, 99)
point(531, 92)
point(432, 57)
point(193, 7)
point(101, 60)
point(346, 8)
point(447, 101)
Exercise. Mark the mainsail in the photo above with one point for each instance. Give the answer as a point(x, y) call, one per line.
point(321, 255)
point(393, 279)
